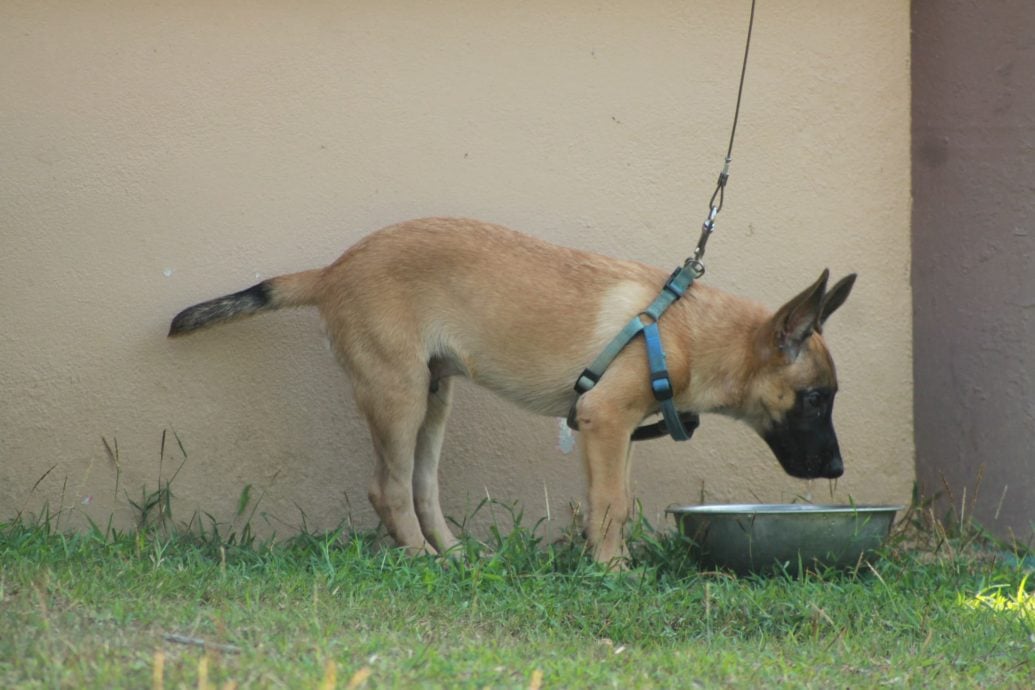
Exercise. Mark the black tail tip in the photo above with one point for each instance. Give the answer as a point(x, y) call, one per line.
point(196, 317)
point(221, 309)
point(179, 326)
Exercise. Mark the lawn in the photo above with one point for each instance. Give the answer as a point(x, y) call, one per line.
point(202, 609)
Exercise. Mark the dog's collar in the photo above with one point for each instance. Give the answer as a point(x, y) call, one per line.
point(660, 380)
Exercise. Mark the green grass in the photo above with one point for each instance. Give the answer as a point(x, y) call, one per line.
point(99, 609)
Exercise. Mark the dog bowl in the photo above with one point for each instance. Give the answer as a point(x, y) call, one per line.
point(766, 538)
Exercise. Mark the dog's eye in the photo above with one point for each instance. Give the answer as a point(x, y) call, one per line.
point(812, 401)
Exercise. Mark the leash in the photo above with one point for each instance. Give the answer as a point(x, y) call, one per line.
point(708, 227)
point(673, 422)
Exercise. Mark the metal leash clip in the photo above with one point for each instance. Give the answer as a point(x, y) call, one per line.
point(694, 263)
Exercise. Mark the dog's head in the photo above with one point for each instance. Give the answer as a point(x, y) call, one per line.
point(790, 397)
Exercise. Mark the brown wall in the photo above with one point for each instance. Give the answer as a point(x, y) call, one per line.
point(157, 154)
point(973, 247)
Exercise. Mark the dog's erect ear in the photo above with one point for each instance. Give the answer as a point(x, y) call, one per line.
point(835, 297)
point(796, 320)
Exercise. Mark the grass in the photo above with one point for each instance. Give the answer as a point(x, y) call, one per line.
point(209, 608)
point(203, 604)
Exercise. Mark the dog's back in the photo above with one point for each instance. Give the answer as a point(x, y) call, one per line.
point(516, 314)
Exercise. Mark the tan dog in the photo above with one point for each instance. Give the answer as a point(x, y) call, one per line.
point(415, 304)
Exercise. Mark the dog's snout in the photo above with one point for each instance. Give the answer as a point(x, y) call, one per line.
point(835, 467)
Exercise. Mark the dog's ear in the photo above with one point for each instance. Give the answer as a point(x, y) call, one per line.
point(796, 320)
point(835, 297)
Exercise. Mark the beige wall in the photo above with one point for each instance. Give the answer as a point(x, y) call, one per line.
point(162, 153)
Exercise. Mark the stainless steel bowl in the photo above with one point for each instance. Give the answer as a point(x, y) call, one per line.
point(761, 538)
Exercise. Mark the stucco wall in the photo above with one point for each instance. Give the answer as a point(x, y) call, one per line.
point(158, 154)
point(974, 271)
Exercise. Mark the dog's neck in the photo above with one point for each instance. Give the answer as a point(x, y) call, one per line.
point(723, 350)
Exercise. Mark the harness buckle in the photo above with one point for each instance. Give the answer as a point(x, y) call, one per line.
point(661, 385)
point(678, 283)
point(586, 380)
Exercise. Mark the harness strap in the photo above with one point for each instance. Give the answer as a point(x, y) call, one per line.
point(678, 283)
point(661, 384)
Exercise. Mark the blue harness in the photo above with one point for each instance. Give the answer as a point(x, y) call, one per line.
point(660, 381)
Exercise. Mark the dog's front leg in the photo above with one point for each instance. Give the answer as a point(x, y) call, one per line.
point(604, 439)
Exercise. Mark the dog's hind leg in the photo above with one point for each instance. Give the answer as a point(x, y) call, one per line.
point(395, 411)
point(425, 474)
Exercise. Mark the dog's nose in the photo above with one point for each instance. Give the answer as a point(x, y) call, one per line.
point(835, 467)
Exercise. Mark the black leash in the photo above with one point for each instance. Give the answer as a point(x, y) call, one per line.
point(694, 263)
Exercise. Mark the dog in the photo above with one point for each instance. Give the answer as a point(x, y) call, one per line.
point(414, 305)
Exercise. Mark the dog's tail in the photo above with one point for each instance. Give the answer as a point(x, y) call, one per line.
point(293, 290)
